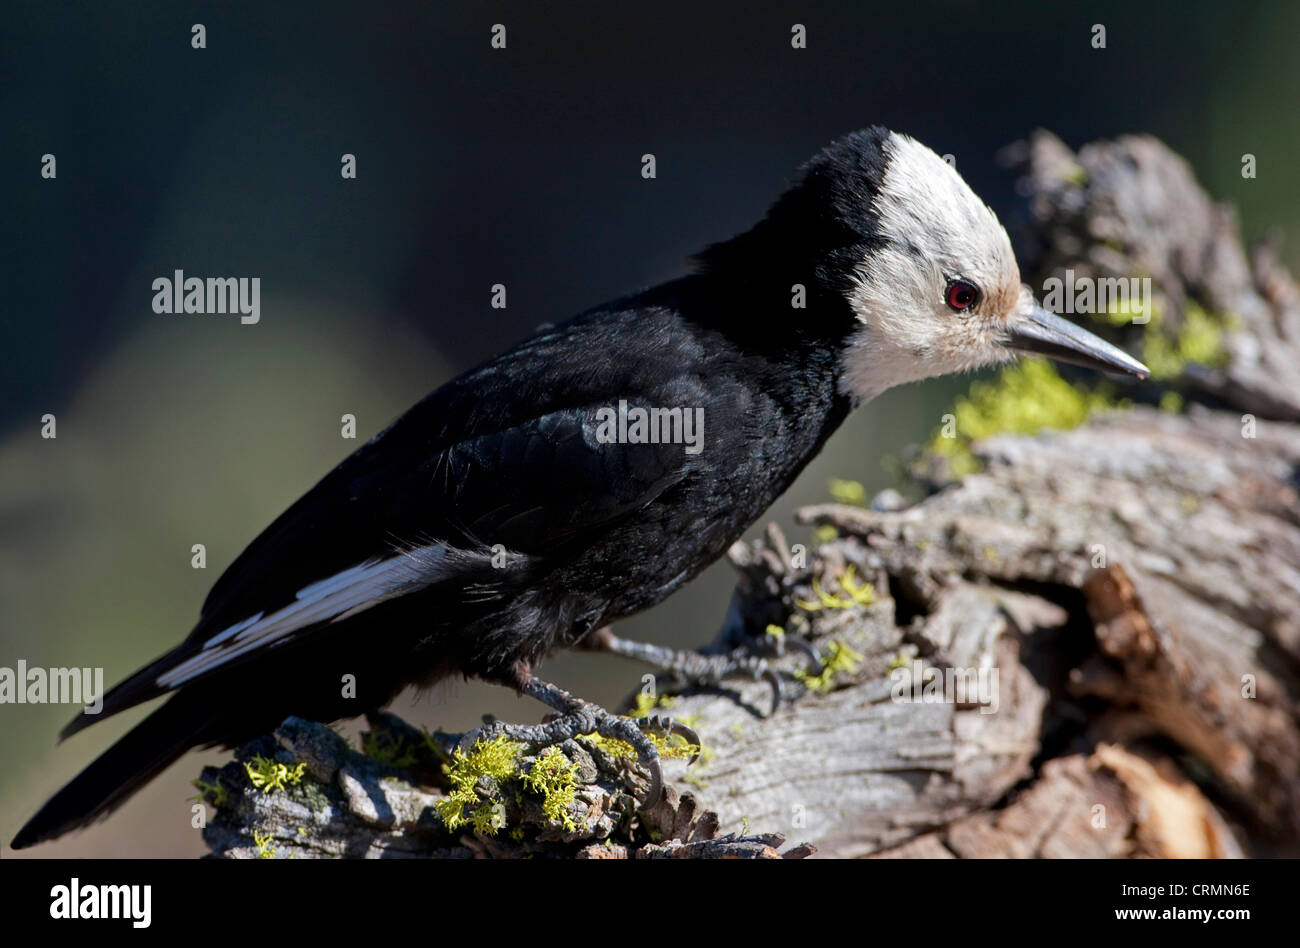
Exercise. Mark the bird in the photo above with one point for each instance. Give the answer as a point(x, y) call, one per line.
point(588, 472)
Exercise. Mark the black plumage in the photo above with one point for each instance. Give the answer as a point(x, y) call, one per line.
point(519, 532)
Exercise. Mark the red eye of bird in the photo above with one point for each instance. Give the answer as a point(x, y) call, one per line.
point(962, 295)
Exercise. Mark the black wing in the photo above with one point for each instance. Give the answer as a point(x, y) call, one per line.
point(507, 454)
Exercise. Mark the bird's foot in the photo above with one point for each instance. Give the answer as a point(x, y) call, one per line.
point(709, 671)
point(576, 717)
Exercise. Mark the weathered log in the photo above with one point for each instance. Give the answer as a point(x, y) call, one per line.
point(1107, 620)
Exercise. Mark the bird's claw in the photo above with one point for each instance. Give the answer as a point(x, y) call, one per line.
point(695, 668)
point(714, 669)
point(800, 644)
point(668, 727)
point(647, 753)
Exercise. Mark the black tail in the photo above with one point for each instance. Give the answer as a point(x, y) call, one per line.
point(124, 768)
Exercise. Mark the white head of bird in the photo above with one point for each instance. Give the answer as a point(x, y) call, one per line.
point(939, 290)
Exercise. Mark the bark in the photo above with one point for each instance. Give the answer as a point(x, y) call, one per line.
point(1131, 587)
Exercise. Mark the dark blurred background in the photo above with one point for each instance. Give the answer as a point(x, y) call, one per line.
point(475, 166)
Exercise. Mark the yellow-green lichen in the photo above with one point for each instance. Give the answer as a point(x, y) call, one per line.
point(497, 758)
point(267, 774)
point(675, 747)
point(1123, 311)
point(1075, 174)
point(1024, 399)
point(692, 721)
point(213, 793)
point(645, 703)
point(263, 842)
point(1198, 340)
point(825, 533)
point(848, 492)
point(489, 818)
point(1171, 402)
point(840, 658)
point(554, 777)
point(857, 594)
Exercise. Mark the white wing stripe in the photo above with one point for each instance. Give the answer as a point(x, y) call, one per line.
point(234, 629)
point(344, 594)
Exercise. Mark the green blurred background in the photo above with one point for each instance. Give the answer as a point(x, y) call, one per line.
point(475, 167)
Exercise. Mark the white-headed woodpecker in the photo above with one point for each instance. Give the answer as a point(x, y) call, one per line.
point(506, 515)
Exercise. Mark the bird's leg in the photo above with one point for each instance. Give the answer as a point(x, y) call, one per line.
point(577, 717)
point(696, 668)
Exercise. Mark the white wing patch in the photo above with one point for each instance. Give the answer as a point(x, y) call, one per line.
point(340, 596)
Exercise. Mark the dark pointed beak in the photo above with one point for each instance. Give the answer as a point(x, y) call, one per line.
point(1038, 332)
